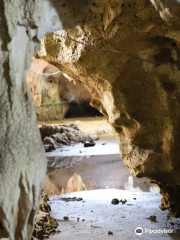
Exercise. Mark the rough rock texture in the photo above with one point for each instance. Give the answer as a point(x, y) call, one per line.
point(130, 60)
point(44, 224)
point(22, 160)
point(45, 91)
point(52, 91)
point(57, 136)
point(75, 184)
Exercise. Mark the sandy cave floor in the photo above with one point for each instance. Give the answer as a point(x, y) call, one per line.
point(97, 216)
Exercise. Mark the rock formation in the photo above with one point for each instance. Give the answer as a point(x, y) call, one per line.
point(44, 224)
point(127, 53)
point(22, 161)
point(53, 92)
point(55, 137)
point(75, 184)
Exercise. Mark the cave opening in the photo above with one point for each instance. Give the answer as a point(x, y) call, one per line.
point(89, 170)
point(56, 95)
point(63, 107)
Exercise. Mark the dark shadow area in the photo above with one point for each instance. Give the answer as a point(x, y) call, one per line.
point(82, 110)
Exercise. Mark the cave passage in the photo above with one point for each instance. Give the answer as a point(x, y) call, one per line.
point(59, 100)
point(56, 95)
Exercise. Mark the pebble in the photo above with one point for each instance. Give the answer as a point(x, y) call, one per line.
point(115, 201)
point(123, 201)
point(66, 218)
point(89, 144)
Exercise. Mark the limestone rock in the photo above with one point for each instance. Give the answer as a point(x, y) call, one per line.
point(46, 91)
point(53, 91)
point(168, 10)
point(75, 184)
point(129, 58)
point(57, 136)
point(44, 224)
point(22, 160)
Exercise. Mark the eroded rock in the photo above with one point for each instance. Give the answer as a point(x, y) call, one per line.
point(75, 184)
point(44, 224)
point(53, 91)
point(129, 59)
point(22, 160)
point(57, 136)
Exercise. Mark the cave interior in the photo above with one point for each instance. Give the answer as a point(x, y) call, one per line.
point(89, 116)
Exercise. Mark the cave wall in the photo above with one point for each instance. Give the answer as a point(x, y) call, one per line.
point(22, 160)
point(53, 91)
point(127, 53)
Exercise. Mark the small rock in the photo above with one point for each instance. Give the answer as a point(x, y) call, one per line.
point(123, 201)
point(83, 220)
point(115, 201)
point(110, 233)
point(153, 218)
point(134, 198)
point(89, 144)
point(66, 218)
point(79, 199)
point(71, 199)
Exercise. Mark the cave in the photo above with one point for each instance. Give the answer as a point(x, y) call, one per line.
point(56, 95)
point(124, 57)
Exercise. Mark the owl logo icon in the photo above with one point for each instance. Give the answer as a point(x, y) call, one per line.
point(139, 231)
